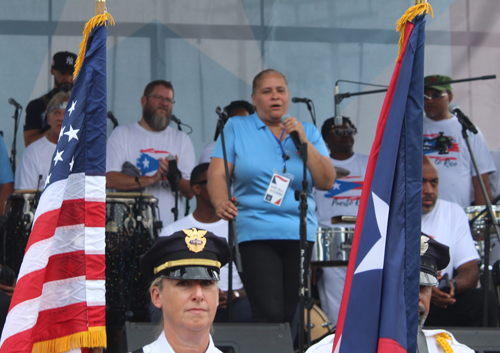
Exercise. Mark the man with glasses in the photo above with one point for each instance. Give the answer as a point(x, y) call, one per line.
point(137, 154)
point(342, 200)
point(204, 217)
point(444, 144)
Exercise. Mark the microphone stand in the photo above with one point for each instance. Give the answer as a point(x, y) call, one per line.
point(175, 188)
point(312, 111)
point(13, 150)
point(301, 196)
point(234, 250)
point(489, 219)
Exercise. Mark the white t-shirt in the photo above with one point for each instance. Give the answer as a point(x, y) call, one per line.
point(495, 176)
point(326, 344)
point(343, 199)
point(207, 152)
point(161, 345)
point(36, 160)
point(456, 168)
point(132, 143)
point(219, 228)
point(447, 223)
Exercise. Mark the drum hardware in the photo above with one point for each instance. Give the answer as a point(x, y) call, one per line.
point(130, 225)
point(343, 219)
point(111, 226)
point(333, 246)
point(27, 220)
point(319, 324)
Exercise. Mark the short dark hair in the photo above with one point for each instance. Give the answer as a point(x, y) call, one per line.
point(329, 123)
point(198, 172)
point(239, 104)
point(262, 74)
point(151, 86)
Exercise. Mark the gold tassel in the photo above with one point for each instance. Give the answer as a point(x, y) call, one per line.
point(104, 19)
point(442, 338)
point(410, 14)
point(94, 337)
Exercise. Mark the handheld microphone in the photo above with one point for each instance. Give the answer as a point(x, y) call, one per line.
point(173, 174)
point(175, 119)
point(111, 117)
point(464, 120)
point(14, 103)
point(337, 120)
point(301, 100)
point(294, 135)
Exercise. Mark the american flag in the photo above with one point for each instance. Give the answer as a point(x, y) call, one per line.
point(59, 300)
point(379, 310)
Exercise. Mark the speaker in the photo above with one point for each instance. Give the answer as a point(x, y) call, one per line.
point(228, 337)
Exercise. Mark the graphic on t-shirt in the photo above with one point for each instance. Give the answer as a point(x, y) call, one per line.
point(148, 160)
point(342, 186)
point(444, 146)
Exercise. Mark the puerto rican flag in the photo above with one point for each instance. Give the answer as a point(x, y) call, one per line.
point(59, 300)
point(379, 310)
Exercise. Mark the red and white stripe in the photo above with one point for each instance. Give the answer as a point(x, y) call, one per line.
point(60, 290)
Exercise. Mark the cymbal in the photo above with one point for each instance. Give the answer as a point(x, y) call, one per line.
point(342, 172)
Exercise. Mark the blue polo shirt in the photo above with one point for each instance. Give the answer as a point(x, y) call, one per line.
point(6, 175)
point(256, 155)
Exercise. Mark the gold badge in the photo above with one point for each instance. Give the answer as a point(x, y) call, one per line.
point(195, 239)
point(423, 244)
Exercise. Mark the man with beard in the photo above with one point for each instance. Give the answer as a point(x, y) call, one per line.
point(137, 154)
point(462, 304)
point(434, 257)
point(36, 126)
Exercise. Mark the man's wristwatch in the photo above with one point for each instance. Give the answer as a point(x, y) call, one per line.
point(236, 294)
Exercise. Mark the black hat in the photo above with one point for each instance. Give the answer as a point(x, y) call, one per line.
point(434, 257)
point(193, 254)
point(64, 61)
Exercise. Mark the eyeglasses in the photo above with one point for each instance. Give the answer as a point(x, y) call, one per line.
point(345, 132)
point(435, 95)
point(161, 99)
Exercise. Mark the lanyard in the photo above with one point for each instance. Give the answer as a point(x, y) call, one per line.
point(283, 154)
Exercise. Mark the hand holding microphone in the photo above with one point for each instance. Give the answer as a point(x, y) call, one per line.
point(293, 127)
point(173, 174)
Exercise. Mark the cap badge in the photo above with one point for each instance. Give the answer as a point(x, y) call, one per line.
point(423, 244)
point(195, 239)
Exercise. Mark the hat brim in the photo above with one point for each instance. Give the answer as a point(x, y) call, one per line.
point(426, 279)
point(191, 273)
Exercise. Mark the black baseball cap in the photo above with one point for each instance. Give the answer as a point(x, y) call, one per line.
point(64, 61)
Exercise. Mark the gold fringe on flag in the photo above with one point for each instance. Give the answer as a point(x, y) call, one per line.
point(98, 20)
point(410, 14)
point(94, 337)
point(442, 338)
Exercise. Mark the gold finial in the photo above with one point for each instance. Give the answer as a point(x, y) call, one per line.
point(100, 7)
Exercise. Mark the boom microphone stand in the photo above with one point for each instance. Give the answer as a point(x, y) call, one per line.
point(234, 250)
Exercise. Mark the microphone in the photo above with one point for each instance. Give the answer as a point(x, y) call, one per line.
point(294, 135)
point(173, 174)
point(301, 100)
point(464, 120)
point(175, 119)
point(337, 119)
point(14, 103)
point(111, 117)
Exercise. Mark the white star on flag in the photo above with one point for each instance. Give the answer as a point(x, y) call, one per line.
point(58, 157)
point(62, 131)
point(145, 162)
point(73, 105)
point(374, 259)
point(71, 164)
point(336, 186)
point(47, 181)
point(72, 133)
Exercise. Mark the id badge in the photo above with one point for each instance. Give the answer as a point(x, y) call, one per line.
point(277, 188)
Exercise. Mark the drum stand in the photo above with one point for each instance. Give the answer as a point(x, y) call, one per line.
point(234, 250)
point(489, 218)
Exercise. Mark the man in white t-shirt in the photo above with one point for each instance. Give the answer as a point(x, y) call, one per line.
point(447, 223)
point(204, 217)
point(137, 154)
point(445, 145)
point(37, 157)
point(342, 200)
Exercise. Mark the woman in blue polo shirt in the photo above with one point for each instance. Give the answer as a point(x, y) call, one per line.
point(266, 169)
